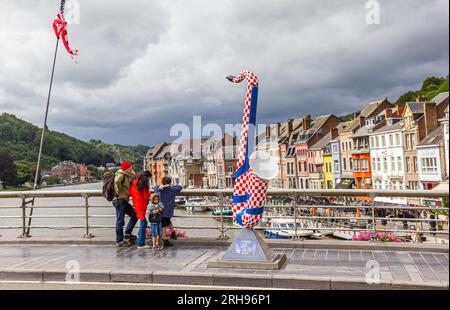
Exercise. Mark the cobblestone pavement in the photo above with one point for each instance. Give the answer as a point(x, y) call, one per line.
point(415, 267)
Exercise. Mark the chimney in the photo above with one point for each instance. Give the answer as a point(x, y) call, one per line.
point(290, 126)
point(430, 113)
point(306, 122)
point(400, 109)
point(362, 121)
point(268, 130)
point(421, 98)
point(388, 113)
point(334, 133)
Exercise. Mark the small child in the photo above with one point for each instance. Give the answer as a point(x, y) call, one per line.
point(168, 193)
point(154, 215)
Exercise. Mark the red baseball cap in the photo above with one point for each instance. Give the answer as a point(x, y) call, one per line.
point(125, 165)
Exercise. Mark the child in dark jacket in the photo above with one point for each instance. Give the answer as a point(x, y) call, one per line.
point(168, 193)
point(154, 215)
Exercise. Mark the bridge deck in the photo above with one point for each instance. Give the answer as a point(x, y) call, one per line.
point(306, 268)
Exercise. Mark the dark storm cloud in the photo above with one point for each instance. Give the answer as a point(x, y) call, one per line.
point(147, 66)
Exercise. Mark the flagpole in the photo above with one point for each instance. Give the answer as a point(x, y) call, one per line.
point(36, 178)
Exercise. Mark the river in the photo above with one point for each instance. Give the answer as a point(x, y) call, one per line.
point(64, 209)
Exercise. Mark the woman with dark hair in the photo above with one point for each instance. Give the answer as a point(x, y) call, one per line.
point(140, 193)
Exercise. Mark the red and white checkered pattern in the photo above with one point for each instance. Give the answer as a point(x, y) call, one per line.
point(257, 188)
point(240, 187)
point(248, 183)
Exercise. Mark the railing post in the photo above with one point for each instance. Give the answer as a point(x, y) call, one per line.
point(24, 234)
point(222, 223)
point(295, 216)
point(86, 217)
point(374, 224)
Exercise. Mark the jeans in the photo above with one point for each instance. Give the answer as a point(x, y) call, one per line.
point(122, 208)
point(142, 233)
point(156, 229)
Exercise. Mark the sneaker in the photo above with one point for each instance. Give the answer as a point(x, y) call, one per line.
point(123, 244)
point(130, 237)
point(144, 247)
point(154, 248)
point(167, 243)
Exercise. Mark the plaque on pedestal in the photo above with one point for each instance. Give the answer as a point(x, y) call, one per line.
point(249, 251)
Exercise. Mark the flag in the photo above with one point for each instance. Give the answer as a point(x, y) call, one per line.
point(60, 28)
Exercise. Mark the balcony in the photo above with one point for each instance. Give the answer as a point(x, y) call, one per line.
point(316, 175)
point(362, 150)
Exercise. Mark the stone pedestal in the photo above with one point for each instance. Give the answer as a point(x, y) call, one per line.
point(248, 251)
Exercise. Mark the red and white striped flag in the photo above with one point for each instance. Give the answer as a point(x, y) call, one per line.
point(60, 28)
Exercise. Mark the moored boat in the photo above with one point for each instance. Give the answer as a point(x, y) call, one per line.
point(285, 229)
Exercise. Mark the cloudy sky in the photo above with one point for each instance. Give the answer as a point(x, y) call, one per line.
point(146, 65)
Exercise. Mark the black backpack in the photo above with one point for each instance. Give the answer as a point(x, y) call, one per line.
point(108, 186)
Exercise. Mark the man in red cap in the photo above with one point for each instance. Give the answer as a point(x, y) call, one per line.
point(122, 182)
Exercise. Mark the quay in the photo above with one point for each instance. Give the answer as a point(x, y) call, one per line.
point(330, 265)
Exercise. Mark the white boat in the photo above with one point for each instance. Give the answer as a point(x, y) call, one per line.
point(343, 235)
point(197, 205)
point(285, 229)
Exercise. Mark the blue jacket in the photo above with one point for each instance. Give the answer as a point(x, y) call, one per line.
point(167, 196)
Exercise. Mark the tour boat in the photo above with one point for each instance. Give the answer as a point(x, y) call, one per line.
point(197, 205)
point(276, 230)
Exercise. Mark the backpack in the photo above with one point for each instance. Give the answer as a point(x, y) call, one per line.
point(108, 186)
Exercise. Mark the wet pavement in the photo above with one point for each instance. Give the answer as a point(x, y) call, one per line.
point(352, 265)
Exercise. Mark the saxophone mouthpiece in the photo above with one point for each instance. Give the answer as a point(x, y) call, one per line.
point(230, 78)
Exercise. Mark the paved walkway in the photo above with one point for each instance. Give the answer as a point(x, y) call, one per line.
point(306, 268)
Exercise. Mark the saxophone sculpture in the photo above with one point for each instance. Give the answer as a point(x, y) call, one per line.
point(254, 171)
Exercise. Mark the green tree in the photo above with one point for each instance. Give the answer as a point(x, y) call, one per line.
point(25, 172)
point(53, 180)
point(7, 168)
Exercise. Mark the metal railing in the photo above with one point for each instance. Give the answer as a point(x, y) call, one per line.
point(306, 207)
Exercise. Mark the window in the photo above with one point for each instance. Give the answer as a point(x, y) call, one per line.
point(335, 148)
point(399, 164)
point(385, 165)
point(343, 146)
point(372, 142)
point(415, 164)
point(344, 162)
point(377, 141)
point(374, 164)
point(364, 165)
point(391, 140)
point(355, 163)
point(383, 141)
point(407, 141)
point(230, 169)
point(408, 165)
point(379, 164)
point(429, 165)
point(392, 163)
point(350, 145)
point(397, 139)
point(336, 166)
point(350, 163)
point(413, 141)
